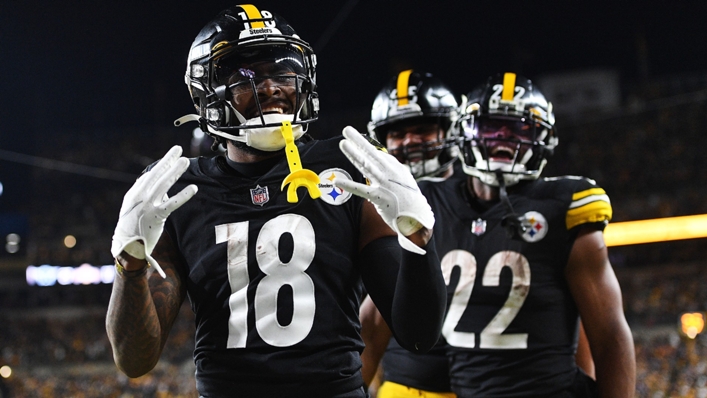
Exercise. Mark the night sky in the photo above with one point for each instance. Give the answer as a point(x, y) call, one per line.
point(84, 65)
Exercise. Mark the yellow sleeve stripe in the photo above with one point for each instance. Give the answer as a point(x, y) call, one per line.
point(402, 87)
point(253, 13)
point(589, 199)
point(594, 211)
point(585, 193)
point(509, 86)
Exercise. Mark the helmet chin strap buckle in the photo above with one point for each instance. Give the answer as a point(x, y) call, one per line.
point(298, 176)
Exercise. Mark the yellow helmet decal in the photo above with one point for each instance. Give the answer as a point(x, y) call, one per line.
point(402, 87)
point(509, 86)
point(253, 13)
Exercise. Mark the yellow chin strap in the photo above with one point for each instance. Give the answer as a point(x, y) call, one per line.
point(298, 176)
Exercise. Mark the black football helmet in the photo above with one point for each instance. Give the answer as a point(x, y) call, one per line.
point(413, 98)
point(507, 128)
point(220, 66)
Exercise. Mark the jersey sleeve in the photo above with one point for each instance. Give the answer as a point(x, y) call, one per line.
point(589, 205)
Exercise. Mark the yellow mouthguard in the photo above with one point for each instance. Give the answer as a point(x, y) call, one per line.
point(298, 177)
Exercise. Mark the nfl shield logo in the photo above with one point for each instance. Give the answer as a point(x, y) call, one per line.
point(478, 227)
point(259, 195)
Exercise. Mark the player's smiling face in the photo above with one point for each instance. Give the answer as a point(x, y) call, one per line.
point(275, 86)
point(413, 142)
point(267, 78)
point(503, 138)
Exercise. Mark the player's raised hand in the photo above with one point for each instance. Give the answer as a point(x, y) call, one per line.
point(393, 190)
point(146, 207)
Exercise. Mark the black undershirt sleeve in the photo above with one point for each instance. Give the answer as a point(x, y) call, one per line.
point(408, 290)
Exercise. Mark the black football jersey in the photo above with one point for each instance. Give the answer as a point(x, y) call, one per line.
point(511, 327)
point(428, 371)
point(273, 284)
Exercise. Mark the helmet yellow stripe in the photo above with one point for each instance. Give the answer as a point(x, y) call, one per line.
point(253, 13)
point(509, 86)
point(403, 82)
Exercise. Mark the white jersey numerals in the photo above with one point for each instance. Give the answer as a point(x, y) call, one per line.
point(492, 336)
point(277, 275)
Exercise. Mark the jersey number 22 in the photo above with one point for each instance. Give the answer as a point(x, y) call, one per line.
point(492, 336)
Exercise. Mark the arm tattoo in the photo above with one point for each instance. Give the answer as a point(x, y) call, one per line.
point(142, 311)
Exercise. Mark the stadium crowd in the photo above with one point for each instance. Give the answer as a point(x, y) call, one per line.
point(61, 349)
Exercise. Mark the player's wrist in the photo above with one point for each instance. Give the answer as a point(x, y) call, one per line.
point(421, 237)
point(135, 249)
point(408, 225)
point(120, 270)
point(129, 266)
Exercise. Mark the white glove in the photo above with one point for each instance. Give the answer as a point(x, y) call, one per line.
point(393, 190)
point(146, 207)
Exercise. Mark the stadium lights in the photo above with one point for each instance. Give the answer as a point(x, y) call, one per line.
point(12, 244)
point(656, 230)
point(85, 274)
point(615, 234)
point(692, 324)
point(69, 241)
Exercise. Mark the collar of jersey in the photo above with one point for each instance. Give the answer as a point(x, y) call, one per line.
point(253, 169)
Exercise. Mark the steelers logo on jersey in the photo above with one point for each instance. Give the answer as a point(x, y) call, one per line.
point(537, 226)
point(331, 194)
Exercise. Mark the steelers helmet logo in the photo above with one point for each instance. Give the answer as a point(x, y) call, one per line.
point(331, 194)
point(537, 226)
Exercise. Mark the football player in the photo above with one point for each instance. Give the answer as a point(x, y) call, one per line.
point(408, 374)
point(282, 238)
point(414, 116)
point(525, 257)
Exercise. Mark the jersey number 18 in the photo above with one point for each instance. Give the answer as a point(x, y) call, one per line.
point(277, 275)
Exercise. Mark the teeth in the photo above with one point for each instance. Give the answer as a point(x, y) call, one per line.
point(500, 150)
point(274, 109)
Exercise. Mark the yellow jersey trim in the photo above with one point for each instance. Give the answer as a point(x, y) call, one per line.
point(394, 390)
point(597, 210)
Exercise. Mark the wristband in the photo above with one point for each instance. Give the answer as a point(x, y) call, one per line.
point(120, 270)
